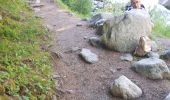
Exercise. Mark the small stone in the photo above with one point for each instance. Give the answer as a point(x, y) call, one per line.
point(85, 37)
point(95, 41)
point(113, 71)
point(127, 57)
point(70, 91)
point(125, 88)
point(74, 49)
point(56, 76)
point(119, 69)
point(70, 14)
point(79, 24)
point(154, 46)
point(153, 55)
point(88, 56)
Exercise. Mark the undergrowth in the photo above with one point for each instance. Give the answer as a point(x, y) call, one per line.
point(25, 69)
point(160, 27)
point(82, 8)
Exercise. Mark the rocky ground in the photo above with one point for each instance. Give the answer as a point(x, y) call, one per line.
point(79, 80)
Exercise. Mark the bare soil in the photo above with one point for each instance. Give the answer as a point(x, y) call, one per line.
point(79, 80)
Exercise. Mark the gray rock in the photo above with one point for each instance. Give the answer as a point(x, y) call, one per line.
point(122, 33)
point(127, 57)
point(165, 55)
point(98, 17)
point(95, 41)
point(153, 55)
point(88, 56)
point(167, 97)
point(153, 68)
point(166, 3)
point(154, 46)
point(79, 24)
point(125, 88)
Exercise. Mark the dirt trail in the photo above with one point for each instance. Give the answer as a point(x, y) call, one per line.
point(84, 81)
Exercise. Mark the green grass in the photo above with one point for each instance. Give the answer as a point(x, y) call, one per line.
point(160, 27)
point(25, 69)
point(80, 8)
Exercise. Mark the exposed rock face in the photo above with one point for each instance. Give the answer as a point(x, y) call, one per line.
point(88, 56)
point(152, 68)
point(125, 88)
point(122, 33)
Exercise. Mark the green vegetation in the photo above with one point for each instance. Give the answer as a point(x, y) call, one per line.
point(83, 7)
point(160, 27)
point(25, 69)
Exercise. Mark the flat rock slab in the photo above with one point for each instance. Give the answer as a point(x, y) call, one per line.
point(88, 56)
point(125, 88)
point(127, 57)
point(152, 68)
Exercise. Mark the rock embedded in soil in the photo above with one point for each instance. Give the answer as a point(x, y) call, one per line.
point(88, 56)
point(125, 88)
point(95, 41)
point(79, 24)
point(127, 57)
point(153, 55)
point(165, 55)
point(154, 46)
point(152, 68)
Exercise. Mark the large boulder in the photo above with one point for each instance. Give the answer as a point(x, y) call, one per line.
point(153, 68)
point(166, 3)
point(122, 33)
point(125, 88)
